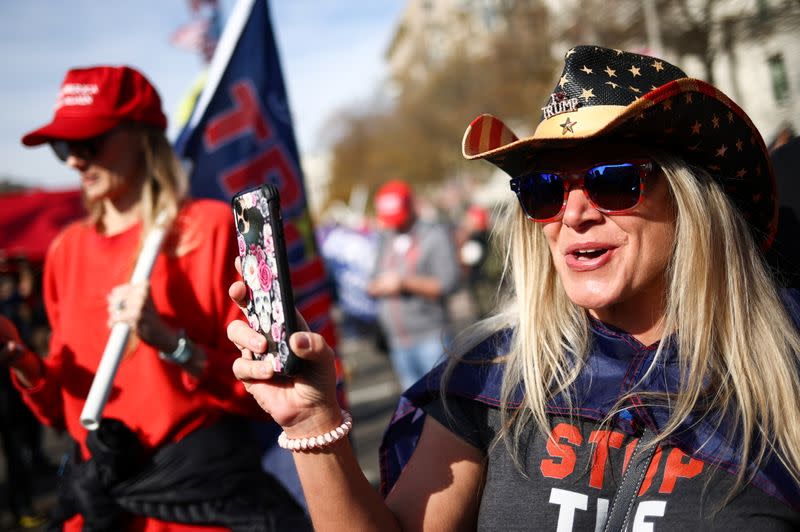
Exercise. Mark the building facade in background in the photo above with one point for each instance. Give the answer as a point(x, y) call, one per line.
point(751, 47)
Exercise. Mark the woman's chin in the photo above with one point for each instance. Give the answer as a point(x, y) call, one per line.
point(593, 300)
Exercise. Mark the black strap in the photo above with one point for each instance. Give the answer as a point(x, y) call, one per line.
point(621, 506)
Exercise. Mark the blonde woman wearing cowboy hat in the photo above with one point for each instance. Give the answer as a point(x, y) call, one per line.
point(173, 421)
point(643, 369)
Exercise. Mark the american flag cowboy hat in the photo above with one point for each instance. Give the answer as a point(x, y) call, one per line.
point(611, 94)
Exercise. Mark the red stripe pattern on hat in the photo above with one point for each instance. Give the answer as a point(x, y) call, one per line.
point(486, 133)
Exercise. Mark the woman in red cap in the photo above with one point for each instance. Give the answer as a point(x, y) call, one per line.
point(643, 371)
point(169, 453)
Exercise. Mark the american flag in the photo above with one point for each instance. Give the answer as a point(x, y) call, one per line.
point(202, 33)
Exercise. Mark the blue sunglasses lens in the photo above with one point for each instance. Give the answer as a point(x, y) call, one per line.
point(611, 187)
point(541, 195)
point(614, 187)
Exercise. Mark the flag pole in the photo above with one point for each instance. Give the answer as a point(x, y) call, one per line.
point(118, 339)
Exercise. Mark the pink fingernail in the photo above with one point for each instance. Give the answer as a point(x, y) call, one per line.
point(303, 341)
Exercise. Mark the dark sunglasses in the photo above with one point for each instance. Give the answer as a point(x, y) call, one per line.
point(86, 149)
point(611, 188)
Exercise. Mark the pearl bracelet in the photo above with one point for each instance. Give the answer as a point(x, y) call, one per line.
point(318, 442)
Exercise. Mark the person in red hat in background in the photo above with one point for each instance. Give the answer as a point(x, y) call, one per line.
point(172, 450)
point(416, 269)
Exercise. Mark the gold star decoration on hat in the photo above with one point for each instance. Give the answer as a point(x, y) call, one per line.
point(634, 70)
point(721, 151)
point(613, 85)
point(586, 94)
point(611, 72)
point(696, 127)
point(715, 121)
point(739, 144)
point(567, 126)
point(634, 89)
point(587, 70)
point(564, 80)
point(658, 65)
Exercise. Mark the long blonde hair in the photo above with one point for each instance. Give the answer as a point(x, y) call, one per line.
point(165, 183)
point(734, 335)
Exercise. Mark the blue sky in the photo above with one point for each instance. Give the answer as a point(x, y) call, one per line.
point(332, 53)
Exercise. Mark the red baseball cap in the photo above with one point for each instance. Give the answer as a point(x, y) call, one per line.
point(393, 204)
point(95, 100)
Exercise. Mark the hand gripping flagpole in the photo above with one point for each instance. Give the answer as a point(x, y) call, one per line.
point(118, 339)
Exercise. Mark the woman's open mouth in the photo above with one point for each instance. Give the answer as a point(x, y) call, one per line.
point(588, 257)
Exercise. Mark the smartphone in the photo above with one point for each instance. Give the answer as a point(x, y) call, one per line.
point(265, 270)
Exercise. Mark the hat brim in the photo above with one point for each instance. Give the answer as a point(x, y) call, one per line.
point(488, 136)
point(654, 120)
point(68, 128)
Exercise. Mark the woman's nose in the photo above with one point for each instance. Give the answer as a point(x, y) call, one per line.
point(75, 162)
point(579, 211)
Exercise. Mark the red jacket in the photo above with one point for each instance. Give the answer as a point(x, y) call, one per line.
point(157, 399)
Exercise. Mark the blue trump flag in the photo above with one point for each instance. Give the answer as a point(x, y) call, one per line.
point(240, 135)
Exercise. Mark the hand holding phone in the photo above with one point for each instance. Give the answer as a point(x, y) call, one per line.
point(265, 270)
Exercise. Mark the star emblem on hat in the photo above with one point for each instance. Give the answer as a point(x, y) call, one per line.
point(658, 65)
point(613, 85)
point(634, 89)
point(696, 127)
point(721, 151)
point(611, 72)
point(739, 144)
point(567, 126)
point(587, 70)
point(586, 94)
point(564, 80)
point(634, 70)
point(715, 121)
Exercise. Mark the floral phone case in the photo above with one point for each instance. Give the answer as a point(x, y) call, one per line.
point(265, 269)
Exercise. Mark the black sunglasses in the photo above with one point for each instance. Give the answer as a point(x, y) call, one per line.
point(611, 188)
point(85, 149)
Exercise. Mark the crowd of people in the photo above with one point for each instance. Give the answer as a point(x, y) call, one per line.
point(20, 431)
point(638, 370)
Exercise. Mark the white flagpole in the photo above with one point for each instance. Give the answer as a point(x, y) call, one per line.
point(118, 339)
